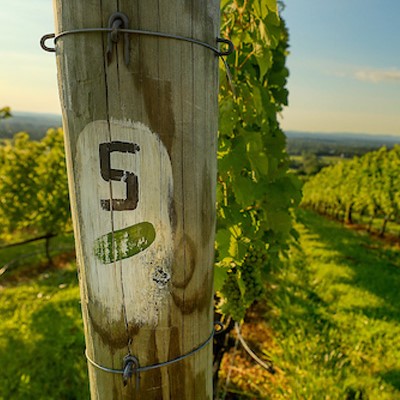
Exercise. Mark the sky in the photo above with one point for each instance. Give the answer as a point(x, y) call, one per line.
point(344, 63)
point(28, 76)
point(344, 66)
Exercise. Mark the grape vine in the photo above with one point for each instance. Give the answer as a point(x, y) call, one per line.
point(255, 192)
point(367, 185)
point(33, 186)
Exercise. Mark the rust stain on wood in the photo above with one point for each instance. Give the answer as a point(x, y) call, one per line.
point(178, 370)
point(158, 104)
point(151, 381)
point(207, 208)
point(111, 337)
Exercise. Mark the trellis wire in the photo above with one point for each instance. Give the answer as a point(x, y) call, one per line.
point(251, 353)
point(118, 23)
point(261, 363)
point(128, 370)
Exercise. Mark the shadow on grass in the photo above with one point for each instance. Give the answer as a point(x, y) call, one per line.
point(375, 268)
point(328, 343)
point(304, 317)
point(392, 377)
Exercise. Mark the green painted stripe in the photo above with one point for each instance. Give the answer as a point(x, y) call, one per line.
point(125, 243)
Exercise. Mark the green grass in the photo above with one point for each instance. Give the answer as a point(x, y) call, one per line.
point(335, 313)
point(332, 317)
point(41, 333)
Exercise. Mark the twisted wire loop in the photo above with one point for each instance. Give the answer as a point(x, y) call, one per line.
point(131, 363)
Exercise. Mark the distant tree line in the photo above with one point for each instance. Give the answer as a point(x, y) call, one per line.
point(5, 112)
point(36, 124)
point(307, 164)
point(324, 147)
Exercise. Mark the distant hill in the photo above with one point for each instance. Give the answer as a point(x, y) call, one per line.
point(342, 136)
point(340, 144)
point(34, 123)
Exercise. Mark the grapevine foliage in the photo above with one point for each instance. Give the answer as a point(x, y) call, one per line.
point(255, 192)
point(368, 185)
point(33, 186)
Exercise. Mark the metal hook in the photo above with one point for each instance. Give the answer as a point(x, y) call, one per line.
point(230, 49)
point(43, 41)
point(131, 366)
point(116, 22)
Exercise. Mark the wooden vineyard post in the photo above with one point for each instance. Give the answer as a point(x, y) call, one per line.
point(140, 121)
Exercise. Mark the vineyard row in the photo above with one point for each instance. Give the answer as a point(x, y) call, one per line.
point(367, 185)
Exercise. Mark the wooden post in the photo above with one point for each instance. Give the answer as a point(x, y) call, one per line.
point(141, 152)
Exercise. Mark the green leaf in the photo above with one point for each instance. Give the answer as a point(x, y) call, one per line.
point(244, 189)
point(257, 98)
point(257, 157)
point(233, 250)
point(222, 238)
point(227, 119)
point(265, 39)
point(220, 275)
point(272, 5)
point(259, 162)
point(224, 3)
point(279, 221)
point(264, 60)
point(237, 249)
point(273, 29)
point(220, 195)
point(260, 8)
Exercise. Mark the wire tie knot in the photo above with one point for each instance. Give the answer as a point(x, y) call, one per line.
point(116, 22)
point(131, 366)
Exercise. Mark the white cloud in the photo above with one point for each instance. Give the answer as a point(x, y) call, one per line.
point(377, 75)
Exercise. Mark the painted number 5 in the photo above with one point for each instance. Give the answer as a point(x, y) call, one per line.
point(110, 174)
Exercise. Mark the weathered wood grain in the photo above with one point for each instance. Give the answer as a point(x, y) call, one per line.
point(151, 299)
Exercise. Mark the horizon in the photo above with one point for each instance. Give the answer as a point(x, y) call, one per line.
point(344, 73)
point(286, 131)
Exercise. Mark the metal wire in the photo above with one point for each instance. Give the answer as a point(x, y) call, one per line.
point(119, 22)
point(251, 353)
point(140, 369)
point(137, 32)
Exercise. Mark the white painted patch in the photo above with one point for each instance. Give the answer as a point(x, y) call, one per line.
point(139, 281)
